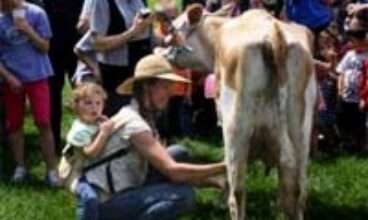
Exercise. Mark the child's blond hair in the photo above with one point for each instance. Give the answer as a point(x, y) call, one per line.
point(84, 90)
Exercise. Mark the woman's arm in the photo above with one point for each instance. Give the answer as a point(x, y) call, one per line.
point(105, 43)
point(157, 155)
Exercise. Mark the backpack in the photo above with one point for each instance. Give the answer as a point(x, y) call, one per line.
point(70, 167)
point(72, 163)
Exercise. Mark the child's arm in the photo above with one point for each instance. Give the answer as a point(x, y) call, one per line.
point(9, 78)
point(41, 43)
point(98, 144)
point(340, 85)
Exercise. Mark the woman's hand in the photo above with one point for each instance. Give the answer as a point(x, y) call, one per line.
point(83, 25)
point(141, 24)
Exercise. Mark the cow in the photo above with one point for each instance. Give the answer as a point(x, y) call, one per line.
point(266, 93)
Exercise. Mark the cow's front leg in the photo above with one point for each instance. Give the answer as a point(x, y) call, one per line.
point(236, 159)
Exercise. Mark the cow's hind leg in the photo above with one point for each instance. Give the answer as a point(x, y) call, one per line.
point(236, 161)
point(291, 179)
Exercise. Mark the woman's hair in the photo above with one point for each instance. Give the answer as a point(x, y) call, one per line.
point(138, 94)
point(84, 90)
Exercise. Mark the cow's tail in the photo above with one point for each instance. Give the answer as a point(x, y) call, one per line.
point(274, 52)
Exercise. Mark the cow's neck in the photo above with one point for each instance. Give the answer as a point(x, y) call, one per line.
point(208, 32)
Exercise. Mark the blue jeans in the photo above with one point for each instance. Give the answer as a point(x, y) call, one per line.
point(157, 199)
point(88, 203)
point(157, 202)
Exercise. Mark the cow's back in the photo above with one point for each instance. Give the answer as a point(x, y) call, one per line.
point(264, 67)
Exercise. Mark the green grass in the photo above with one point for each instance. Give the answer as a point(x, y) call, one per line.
point(337, 189)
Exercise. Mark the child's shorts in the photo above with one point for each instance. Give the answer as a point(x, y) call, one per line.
point(39, 99)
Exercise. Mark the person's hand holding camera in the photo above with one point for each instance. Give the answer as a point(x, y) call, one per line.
point(141, 23)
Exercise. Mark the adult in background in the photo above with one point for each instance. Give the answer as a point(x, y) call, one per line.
point(63, 15)
point(146, 182)
point(240, 5)
point(315, 14)
point(121, 37)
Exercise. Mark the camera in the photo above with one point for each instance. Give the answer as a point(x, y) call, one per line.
point(145, 13)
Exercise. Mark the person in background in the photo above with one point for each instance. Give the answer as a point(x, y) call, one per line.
point(239, 6)
point(351, 117)
point(85, 17)
point(327, 124)
point(314, 14)
point(63, 15)
point(24, 64)
point(87, 65)
point(186, 3)
point(275, 7)
point(121, 36)
point(177, 121)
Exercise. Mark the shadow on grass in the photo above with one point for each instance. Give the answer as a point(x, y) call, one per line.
point(317, 209)
point(262, 205)
point(331, 157)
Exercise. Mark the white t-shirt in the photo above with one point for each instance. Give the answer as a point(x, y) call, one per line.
point(81, 134)
point(350, 68)
point(127, 171)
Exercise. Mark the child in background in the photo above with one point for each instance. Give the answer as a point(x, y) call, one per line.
point(328, 131)
point(88, 135)
point(351, 118)
point(25, 66)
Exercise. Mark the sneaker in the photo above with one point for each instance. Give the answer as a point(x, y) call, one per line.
point(20, 174)
point(52, 178)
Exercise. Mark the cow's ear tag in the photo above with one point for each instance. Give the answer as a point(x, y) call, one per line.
point(194, 12)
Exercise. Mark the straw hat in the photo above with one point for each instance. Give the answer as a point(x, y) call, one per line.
point(151, 66)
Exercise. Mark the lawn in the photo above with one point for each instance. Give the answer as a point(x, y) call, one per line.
point(337, 189)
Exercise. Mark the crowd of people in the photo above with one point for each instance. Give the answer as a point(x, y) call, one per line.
point(122, 90)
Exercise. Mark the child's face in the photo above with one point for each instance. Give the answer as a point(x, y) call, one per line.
point(89, 108)
point(327, 47)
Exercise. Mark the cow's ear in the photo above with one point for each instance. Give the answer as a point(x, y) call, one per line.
point(194, 13)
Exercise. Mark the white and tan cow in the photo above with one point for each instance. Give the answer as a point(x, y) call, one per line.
point(266, 94)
